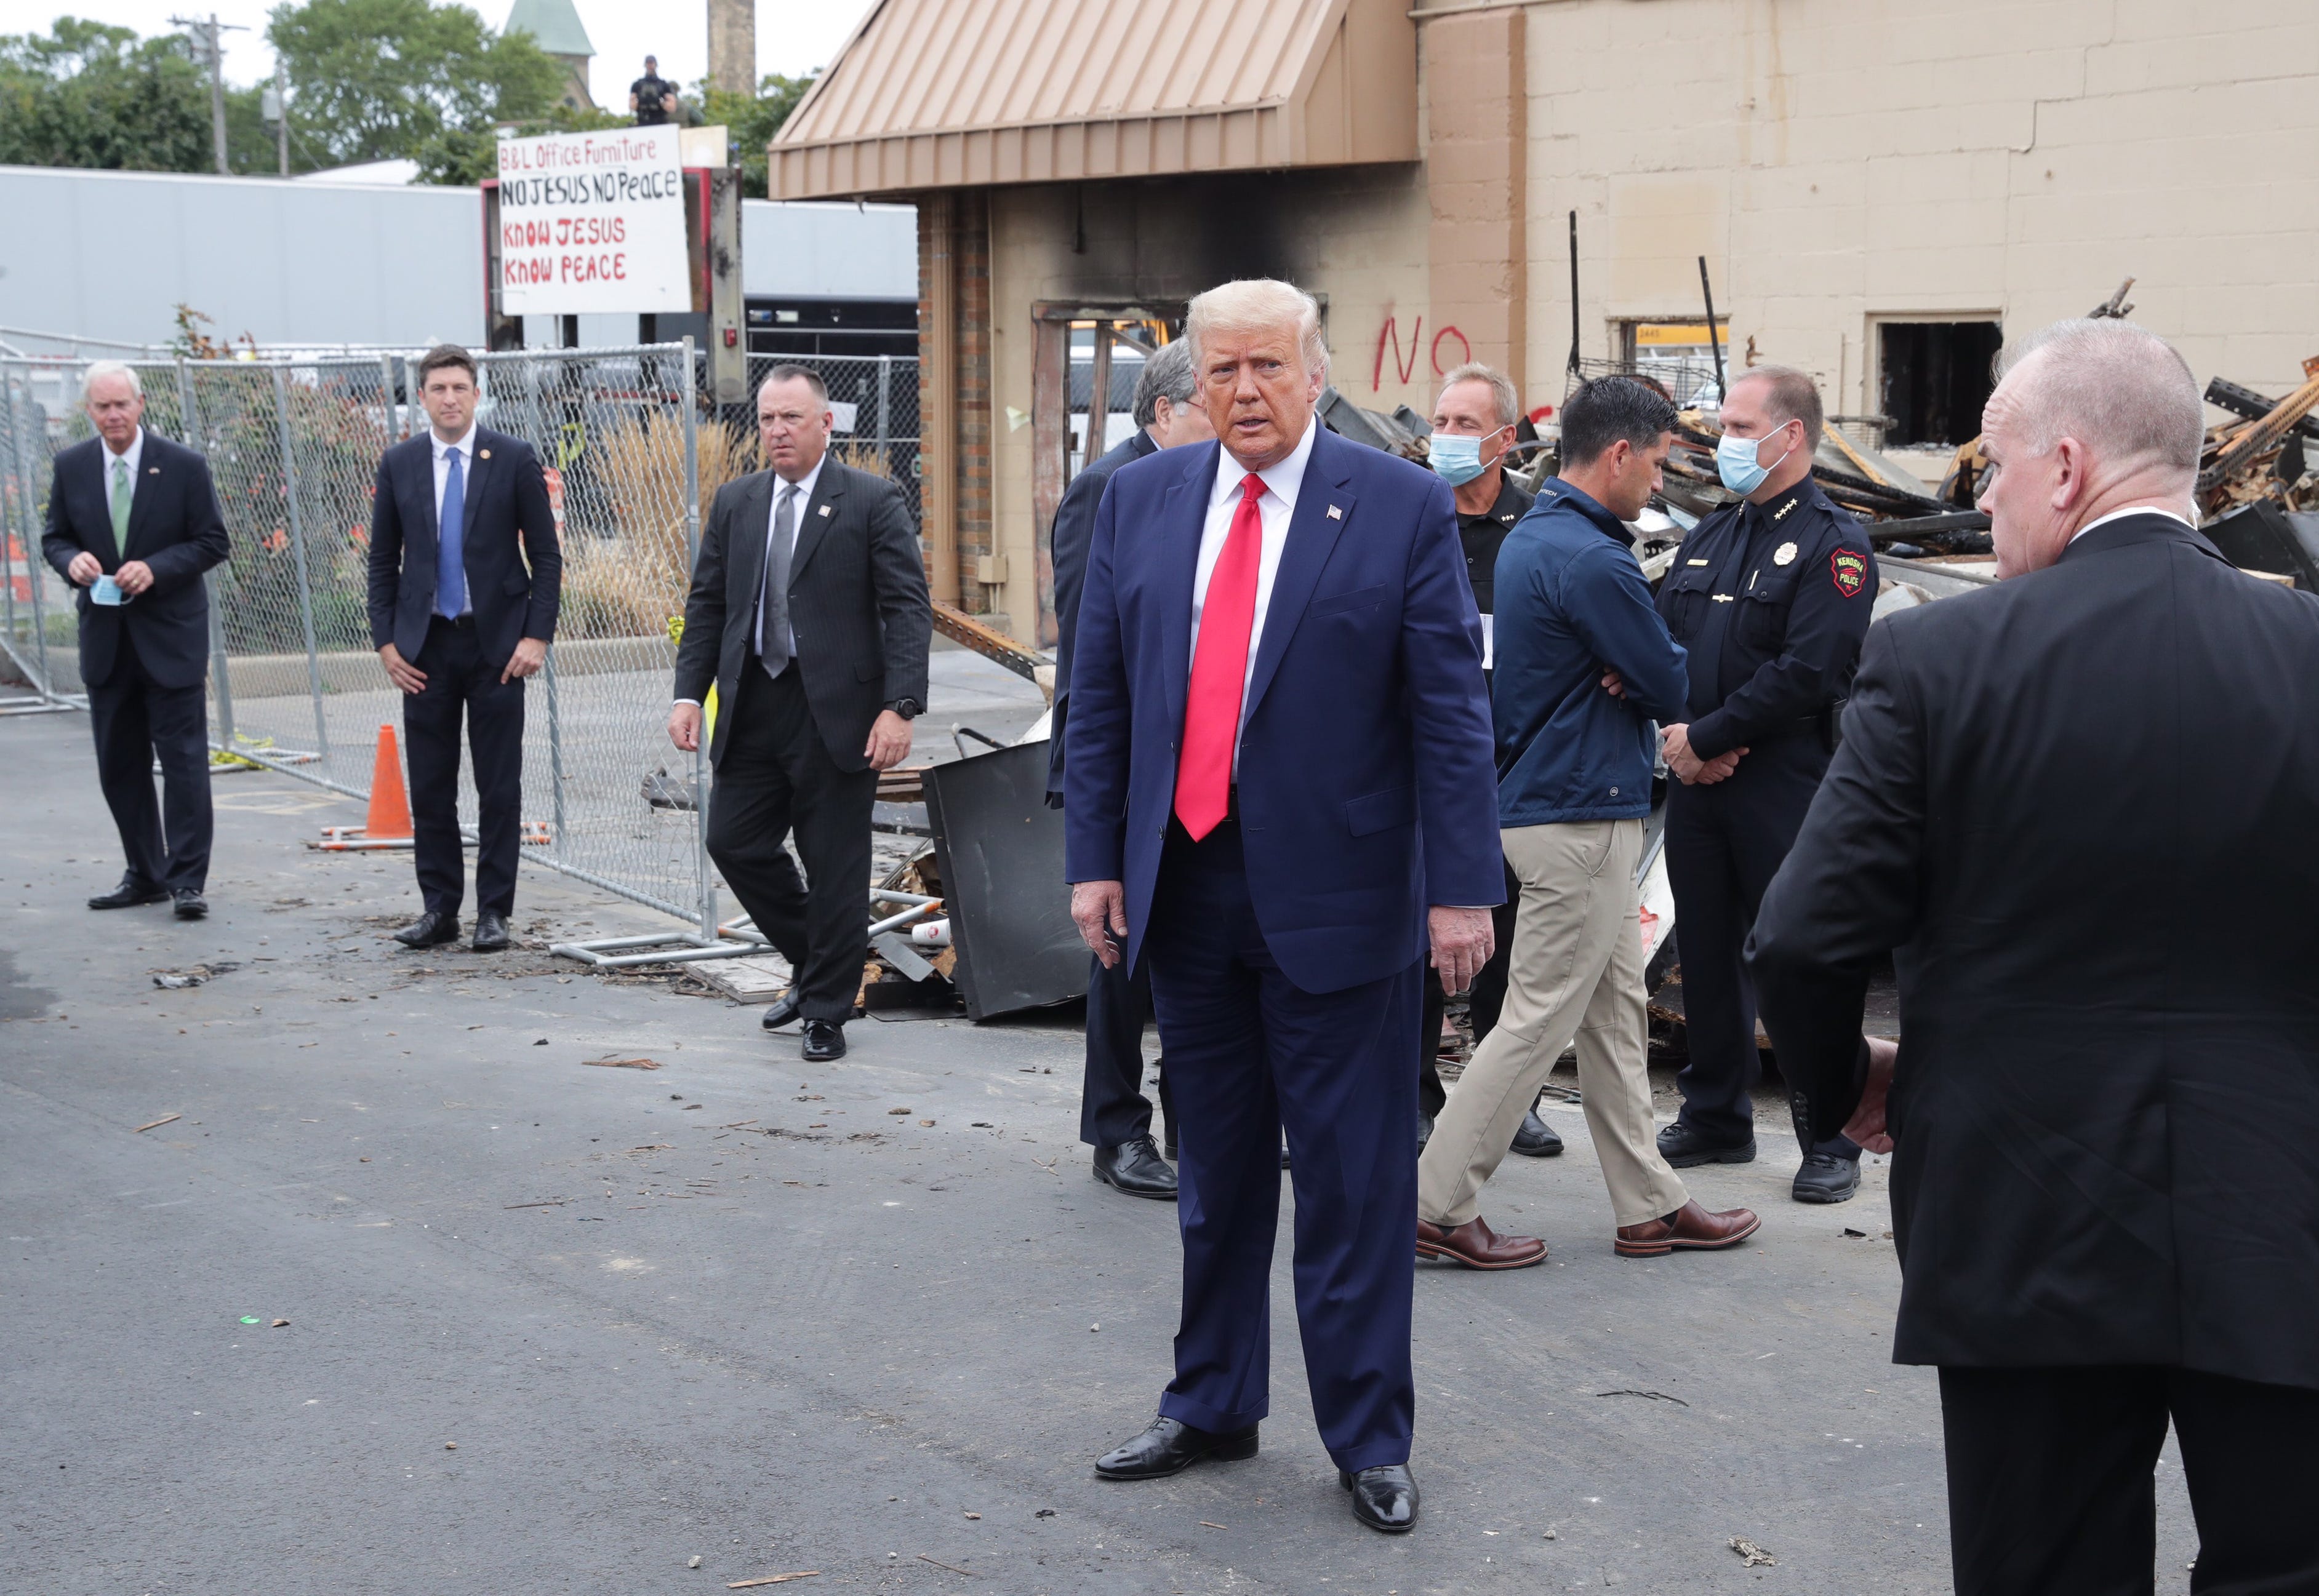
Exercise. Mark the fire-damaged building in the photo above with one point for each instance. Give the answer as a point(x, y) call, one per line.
point(1875, 192)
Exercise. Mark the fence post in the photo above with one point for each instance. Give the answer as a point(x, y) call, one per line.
point(693, 558)
point(298, 549)
point(27, 454)
point(386, 397)
point(20, 488)
point(885, 427)
point(189, 424)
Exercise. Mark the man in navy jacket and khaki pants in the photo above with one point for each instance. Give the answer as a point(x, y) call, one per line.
point(1584, 663)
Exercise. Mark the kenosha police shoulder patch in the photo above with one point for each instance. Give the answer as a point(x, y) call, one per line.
point(1850, 571)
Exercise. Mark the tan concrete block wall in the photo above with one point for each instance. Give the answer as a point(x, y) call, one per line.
point(1840, 161)
point(1477, 164)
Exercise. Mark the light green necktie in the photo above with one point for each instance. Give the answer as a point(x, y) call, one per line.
point(120, 492)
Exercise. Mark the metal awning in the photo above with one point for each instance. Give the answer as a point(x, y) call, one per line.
point(952, 94)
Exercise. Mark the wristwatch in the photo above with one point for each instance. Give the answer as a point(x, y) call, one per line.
point(908, 708)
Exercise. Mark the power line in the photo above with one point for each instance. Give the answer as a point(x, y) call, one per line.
point(211, 36)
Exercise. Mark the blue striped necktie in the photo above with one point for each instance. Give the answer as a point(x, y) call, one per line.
point(451, 545)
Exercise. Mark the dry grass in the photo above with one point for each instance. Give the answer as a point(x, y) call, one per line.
point(632, 584)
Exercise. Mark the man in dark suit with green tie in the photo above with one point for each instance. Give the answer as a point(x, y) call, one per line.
point(133, 521)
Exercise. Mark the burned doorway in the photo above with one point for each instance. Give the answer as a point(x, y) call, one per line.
point(1083, 371)
point(1933, 377)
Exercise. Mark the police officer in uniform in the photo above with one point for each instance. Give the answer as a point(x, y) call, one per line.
point(1473, 421)
point(1772, 597)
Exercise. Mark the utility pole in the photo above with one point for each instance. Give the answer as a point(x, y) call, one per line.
point(276, 105)
point(210, 36)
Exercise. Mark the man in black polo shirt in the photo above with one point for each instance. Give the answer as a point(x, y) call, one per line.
point(1473, 421)
point(652, 97)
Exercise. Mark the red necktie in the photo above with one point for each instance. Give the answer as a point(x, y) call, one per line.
point(1220, 671)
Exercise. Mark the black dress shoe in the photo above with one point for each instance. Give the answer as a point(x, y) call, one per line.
point(491, 931)
point(190, 906)
point(1684, 1148)
point(1136, 1168)
point(1384, 1497)
point(1170, 1448)
point(430, 930)
point(127, 895)
point(823, 1039)
point(784, 1011)
point(1826, 1178)
point(1536, 1139)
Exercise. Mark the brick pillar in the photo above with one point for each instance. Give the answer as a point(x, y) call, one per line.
point(1477, 174)
point(937, 391)
point(976, 534)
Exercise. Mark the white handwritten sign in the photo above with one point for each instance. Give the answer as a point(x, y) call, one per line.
point(592, 222)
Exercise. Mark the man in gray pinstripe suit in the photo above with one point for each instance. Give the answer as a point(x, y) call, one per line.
point(810, 614)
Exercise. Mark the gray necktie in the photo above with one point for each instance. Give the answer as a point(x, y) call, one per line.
point(773, 602)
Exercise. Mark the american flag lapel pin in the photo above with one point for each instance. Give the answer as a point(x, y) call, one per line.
point(152, 470)
point(825, 510)
point(1336, 513)
point(483, 453)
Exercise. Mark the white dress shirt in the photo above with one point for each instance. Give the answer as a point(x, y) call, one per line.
point(464, 446)
point(132, 459)
point(2132, 509)
point(1282, 482)
point(801, 495)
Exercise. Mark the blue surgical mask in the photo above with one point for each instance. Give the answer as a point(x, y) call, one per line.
point(1736, 463)
point(1456, 457)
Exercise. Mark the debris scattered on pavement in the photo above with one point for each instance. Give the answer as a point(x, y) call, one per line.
point(615, 1063)
point(771, 1579)
point(249, 1319)
point(898, 1111)
point(164, 1120)
point(1205, 1525)
point(548, 1203)
point(927, 1122)
point(938, 1563)
point(974, 1515)
point(1657, 1396)
point(1850, 1231)
point(450, 1446)
point(693, 1561)
point(541, 1042)
point(1044, 1513)
point(1752, 1551)
point(280, 1324)
point(1550, 1535)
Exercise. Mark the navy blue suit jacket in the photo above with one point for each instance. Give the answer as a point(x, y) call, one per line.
point(174, 527)
point(1367, 790)
point(1074, 531)
point(506, 504)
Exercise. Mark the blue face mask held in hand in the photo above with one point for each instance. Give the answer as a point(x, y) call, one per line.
point(1736, 463)
point(105, 590)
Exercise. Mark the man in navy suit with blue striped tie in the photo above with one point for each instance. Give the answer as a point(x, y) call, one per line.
point(1280, 793)
point(464, 576)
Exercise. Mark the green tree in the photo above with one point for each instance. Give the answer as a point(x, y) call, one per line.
point(378, 80)
point(753, 119)
point(88, 94)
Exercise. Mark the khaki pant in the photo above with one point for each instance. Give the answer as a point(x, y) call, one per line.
point(1577, 971)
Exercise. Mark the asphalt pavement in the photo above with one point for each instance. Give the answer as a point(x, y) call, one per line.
point(869, 1321)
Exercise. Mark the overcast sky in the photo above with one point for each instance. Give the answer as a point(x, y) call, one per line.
point(793, 36)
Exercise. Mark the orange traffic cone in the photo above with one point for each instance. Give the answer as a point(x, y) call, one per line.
point(389, 820)
point(388, 824)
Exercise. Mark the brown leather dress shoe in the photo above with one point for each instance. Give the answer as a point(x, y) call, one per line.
point(1477, 1247)
point(1689, 1228)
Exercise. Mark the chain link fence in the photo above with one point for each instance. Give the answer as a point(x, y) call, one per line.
point(294, 447)
point(876, 399)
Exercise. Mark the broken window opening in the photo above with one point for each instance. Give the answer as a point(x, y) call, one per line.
point(1933, 379)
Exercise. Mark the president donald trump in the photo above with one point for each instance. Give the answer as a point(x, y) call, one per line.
point(1279, 792)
